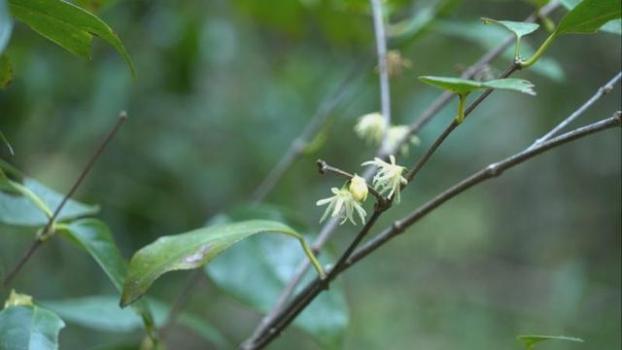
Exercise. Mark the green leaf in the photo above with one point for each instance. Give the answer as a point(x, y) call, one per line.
point(519, 29)
point(67, 25)
point(29, 327)
point(21, 211)
point(464, 86)
point(257, 270)
point(111, 318)
point(614, 26)
point(530, 341)
point(588, 16)
point(6, 27)
point(191, 250)
point(94, 236)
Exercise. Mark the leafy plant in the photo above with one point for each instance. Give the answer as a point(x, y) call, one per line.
point(268, 273)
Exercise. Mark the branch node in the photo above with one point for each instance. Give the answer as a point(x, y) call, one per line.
point(493, 170)
point(397, 226)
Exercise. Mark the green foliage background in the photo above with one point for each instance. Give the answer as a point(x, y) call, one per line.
point(223, 87)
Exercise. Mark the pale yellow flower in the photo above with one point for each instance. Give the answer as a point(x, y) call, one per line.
point(342, 205)
point(371, 128)
point(389, 177)
point(399, 133)
point(358, 188)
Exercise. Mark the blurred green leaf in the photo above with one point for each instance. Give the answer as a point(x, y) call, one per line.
point(67, 25)
point(422, 17)
point(21, 211)
point(464, 86)
point(191, 250)
point(588, 16)
point(530, 341)
point(111, 318)
point(613, 26)
point(519, 29)
point(94, 236)
point(267, 263)
point(6, 26)
point(29, 327)
point(6, 76)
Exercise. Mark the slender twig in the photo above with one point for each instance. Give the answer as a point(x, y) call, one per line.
point(47, 230)
point(323, 168)
point(315, 124)
point(604, 90)
point(305, 297)
point(435, 107)
point(454, 124)
point(381, 50)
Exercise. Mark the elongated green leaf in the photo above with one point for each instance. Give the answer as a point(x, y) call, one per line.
point(102, 313)
point(67, 25)
point(257, 270)
point(21, 211)
point(519, 29)
point(613, 26)
point(95, 237)
point(464, 86)
point(6, 27)
point(29, 327)
point(188, 251)
point(588, 16)
point(530, 341)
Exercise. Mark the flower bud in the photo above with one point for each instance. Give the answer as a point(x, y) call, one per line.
point(358, 188)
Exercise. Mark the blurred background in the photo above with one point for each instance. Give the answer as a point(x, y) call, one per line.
point(222, 89)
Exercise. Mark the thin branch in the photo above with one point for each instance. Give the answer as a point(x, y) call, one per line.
point(298, 145)
point(329, 228)
point(493, 170)
point(47, 230)
point(381, 50)
point(323, 168)
point(604, 90)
